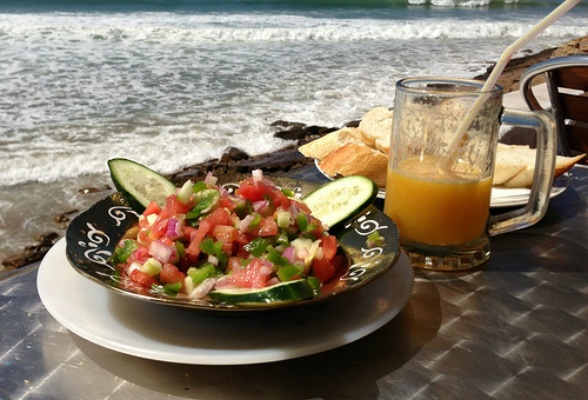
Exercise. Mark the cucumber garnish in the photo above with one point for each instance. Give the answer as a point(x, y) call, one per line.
point(139, 184)
point(286, 291)
point(342, 198)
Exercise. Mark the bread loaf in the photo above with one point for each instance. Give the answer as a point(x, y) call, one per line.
point(356, 159)
point(321, 147)
point(376, 124)
point(515, 165)
point(364, 151)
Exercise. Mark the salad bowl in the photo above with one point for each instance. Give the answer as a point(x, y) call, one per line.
point(93, 235)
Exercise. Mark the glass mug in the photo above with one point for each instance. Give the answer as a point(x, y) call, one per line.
point(438, 189)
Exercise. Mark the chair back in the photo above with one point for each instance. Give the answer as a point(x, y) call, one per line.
point(567, 85)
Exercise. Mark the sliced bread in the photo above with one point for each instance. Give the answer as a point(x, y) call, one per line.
point(356, 159)
point(375, 124)
point(511, 157)
point(321, 147)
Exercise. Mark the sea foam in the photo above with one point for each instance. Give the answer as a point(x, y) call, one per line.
point(169, 89)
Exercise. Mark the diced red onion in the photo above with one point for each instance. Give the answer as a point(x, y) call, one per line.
point(290, 254)
point(210, 179)
point(302, 253)
point(161, 251)
point(257, 175)
point(173, 229)
point(224, 282)
point(133, 266)
point(260, 205)
point(271, 282)
point(202, 290)
point(245, 222)
point(294, 209)
point(265, 270)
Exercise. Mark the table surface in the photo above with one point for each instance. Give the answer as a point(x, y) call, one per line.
point(518, 328)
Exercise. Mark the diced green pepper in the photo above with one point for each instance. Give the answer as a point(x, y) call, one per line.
point(180, 248)
point(287, 192)
point(282, 240)
point(256, 220)
point(205, 199)
point(199, 274)
point(275, 257)
point(210, 247)
point(287, 272)
point(302, 221)
point(257, 246)
point(172, 288)
point(374, 239)
point(121, 254)
point(199, 186)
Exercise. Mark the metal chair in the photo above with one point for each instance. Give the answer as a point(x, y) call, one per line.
point(567, 86)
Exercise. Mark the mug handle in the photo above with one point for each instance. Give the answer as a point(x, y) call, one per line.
point(544, 125)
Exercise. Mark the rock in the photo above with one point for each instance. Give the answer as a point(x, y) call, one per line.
point(233, 154)
point(64, 218)
point(510, 77)
point(33, 253)
point(303, 133)
point(90, 189)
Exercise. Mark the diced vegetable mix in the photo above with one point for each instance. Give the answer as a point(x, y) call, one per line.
point(207, 239)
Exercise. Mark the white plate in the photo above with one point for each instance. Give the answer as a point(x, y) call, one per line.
point(501, 197)
point(179, 335)
point(514, 197)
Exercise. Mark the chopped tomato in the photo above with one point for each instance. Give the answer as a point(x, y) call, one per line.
point(225, 233)
point(250, 276)
point(142, 278)
point(252, 190)
point(171, 274)
point(267, 227)
point(189, 232)
point(329, 246)
point(140, 255)
point(220, 216)
point(227, 202)
point(194, 248)
point(158, 229)
point(323, 269)
point(173, 207)
point(152, 208)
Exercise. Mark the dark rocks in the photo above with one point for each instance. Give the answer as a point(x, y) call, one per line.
point(234, 160)
point(303, 133)
point(510, 77)
point(32, 253)
point(91, 189)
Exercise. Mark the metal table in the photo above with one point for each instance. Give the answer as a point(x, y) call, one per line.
point(516, 329)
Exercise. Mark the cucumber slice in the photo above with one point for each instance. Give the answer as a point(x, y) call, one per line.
point(286, 291)
point(342, 198)
point(139, 184)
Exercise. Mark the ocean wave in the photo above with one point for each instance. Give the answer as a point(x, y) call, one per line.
point(170, 89)
point(198, 6)
point(245, 28)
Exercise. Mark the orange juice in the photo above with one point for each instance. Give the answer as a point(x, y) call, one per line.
point(436, 208)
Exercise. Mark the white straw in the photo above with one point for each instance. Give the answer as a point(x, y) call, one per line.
point(501, 64)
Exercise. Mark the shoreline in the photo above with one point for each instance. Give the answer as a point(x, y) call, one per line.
point(234, 160)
